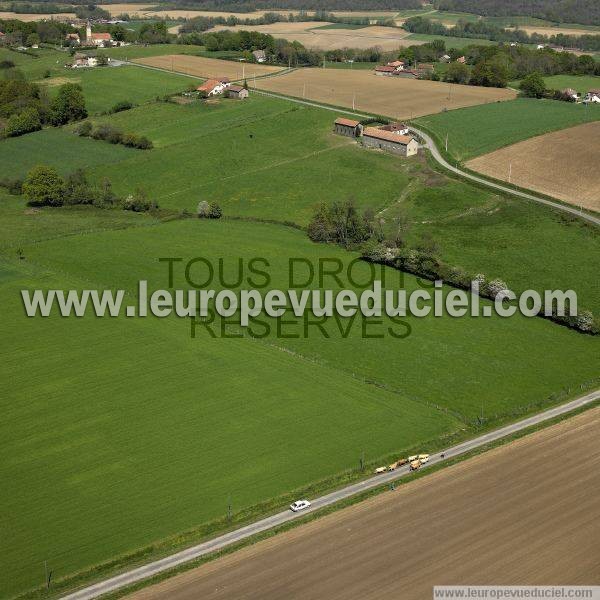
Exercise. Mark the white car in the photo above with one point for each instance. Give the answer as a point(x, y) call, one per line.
point(299, 505)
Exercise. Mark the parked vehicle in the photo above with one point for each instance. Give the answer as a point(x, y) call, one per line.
point(299, 505)
point(397, 464)
point(413, 457)
point(379, 470)
point(415, 464)
point(423, 458)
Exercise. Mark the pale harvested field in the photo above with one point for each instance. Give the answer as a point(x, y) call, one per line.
point(526, 513)
point(392, 97)
point(564, 164)
point(131, 9)
point(386, 38)
point(190, 14)
point(206, 67)
point(27, 17)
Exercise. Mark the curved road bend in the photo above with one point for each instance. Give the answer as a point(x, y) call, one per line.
point(174, 560)
point(430, 144)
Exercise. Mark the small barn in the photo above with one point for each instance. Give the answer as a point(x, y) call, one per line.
point(347, 127)
point(237, 91)
point(593, 96)
point(404, 145)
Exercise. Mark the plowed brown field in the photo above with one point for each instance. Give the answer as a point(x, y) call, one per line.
point(564, 164)
point(389, 96)
point(207, 67)
point(523, 514)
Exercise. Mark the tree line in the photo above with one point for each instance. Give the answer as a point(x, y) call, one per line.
point(242, 6)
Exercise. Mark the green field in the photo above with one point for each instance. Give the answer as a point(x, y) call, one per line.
point(451, 42)
point(250, 153)
point(354, 65)
point(481, 129)
point(122, 433)
point(580, 83)
point(103, 88)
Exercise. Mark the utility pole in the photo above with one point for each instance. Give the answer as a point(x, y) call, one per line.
point(354, 101)
point(446, 141)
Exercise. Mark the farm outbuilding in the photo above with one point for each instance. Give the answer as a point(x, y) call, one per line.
point(347, 127)
point(387, 140)
point(397, 128)
point(237, 91)
point(385, 71)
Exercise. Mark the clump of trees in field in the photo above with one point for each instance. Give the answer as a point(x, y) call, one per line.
point(341, 223)
point(43, 186)
point(26, 107)
point(209, 210)
point(113, 135)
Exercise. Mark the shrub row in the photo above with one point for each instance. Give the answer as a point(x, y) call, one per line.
point(113, 135)
point(43, 186)
point(429, 266)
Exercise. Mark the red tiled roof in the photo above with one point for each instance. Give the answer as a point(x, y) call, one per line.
point(101, 36)
point(394, 127)
point(386, 135)
point(346, 122)
point(385, 69)
point(208, 85)
point(395, 63)
point(236, 88)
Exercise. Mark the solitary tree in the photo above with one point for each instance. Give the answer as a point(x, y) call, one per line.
point(44, 186)
point(533, 86)
point(69, 105)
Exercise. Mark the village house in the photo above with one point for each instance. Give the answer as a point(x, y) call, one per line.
point(397, 128)
point(593, 96)
point(213, 87)
point(73, 38)
point(387, 140)
point(82, 61)
point(96, 39)
point(385, 71)
point(259, 56)
point(445, 58)
point(397, 64)
point(347, 127)
point(237, 91)
point(461, 59)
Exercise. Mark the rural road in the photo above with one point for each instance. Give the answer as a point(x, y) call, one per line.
point(430, 144)
point(195, 552)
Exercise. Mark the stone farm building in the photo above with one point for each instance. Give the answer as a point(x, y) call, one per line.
point(237, 91)
point(388, 140)
point(347, 127)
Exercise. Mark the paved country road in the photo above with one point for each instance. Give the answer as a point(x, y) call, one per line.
point(174, 560)
point(430, 145)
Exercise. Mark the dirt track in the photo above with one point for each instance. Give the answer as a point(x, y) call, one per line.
point(562, 164)
point(525, 513)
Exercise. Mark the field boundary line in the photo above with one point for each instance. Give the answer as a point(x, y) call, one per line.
point(169, 562)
